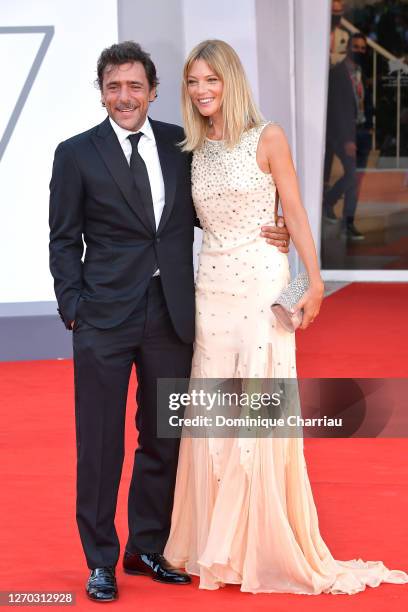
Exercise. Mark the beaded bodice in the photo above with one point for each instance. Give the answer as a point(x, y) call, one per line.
point(231, 194)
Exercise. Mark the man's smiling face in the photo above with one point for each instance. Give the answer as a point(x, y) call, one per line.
point(126, 94)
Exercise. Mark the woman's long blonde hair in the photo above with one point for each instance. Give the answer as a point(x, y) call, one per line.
point(238, 108)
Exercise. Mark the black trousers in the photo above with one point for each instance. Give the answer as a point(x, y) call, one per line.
point(346, 184)
point(103, 360)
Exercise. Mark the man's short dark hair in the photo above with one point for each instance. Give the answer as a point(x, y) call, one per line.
point(356, 36)
point(122, 53)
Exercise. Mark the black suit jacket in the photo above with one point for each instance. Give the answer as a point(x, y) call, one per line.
point(94, 199)
point(341, 105)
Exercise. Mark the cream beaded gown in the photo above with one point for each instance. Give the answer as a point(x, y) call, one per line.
point(243, 509)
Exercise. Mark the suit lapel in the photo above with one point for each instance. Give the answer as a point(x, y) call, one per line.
point(168, 161)
point(111, 152)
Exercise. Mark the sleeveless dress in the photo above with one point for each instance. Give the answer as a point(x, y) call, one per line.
point(243, 509)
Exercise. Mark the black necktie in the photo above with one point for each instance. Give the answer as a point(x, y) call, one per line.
point(141, 177)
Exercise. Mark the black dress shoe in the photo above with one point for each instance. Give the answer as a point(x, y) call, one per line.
point(101, 585)
point(329, 215)
point(352, 233)
point(155, 566)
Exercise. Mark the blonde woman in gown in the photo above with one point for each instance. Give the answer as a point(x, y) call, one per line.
point(243, 510)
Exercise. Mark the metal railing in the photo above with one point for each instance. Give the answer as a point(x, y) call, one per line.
point(396, 64)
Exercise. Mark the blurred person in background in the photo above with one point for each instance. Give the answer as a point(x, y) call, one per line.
point(338, 35)
point(348, 133)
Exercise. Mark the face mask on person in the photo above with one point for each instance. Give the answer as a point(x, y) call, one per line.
point(358, 58)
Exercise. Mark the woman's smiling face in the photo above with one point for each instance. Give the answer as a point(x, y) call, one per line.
point(205, 88)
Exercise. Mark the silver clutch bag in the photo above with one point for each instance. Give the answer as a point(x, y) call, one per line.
point(289, 297)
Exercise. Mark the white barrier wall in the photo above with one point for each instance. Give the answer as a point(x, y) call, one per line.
point(311, 35)
point(51, 47)
point(49, 50)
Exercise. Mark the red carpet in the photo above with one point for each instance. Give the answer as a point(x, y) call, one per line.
point(360, 486)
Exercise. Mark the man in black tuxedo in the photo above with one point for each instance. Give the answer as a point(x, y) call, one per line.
point(123, 188)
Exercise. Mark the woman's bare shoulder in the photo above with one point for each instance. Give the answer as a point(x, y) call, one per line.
point(273, 137)
point(272, 130)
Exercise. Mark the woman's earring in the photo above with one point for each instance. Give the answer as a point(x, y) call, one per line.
point(210, 122)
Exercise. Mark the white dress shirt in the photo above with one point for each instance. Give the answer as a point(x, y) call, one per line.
point(148, 152)
point(147, 149)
